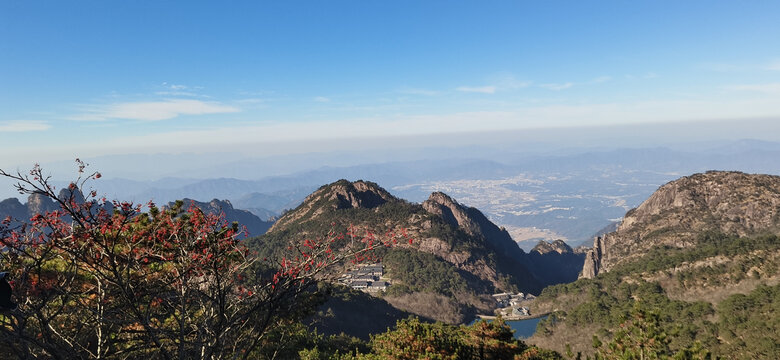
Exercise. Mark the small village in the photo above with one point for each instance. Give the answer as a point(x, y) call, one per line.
point(513, 306)
point(366, 277)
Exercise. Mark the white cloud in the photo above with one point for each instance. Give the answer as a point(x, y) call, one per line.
point(153, 110)
point(551, 116)
point(322, 99)
point(770, 88)
point(286, 136)
point(601, 79)
point(557, 87)
point(477, 89)
point(23, 126)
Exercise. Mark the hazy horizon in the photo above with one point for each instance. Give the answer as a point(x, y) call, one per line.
point(607, 99)
point(273, 79)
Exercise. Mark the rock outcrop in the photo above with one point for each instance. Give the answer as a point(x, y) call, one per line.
point(555, 262)
point(36, 204)
point(473, 222)
point(593, 258)
point(557, 246)
point(360, 194)
point(39, 204)
point(728, 202)
point(14, 209)
point(341, 194)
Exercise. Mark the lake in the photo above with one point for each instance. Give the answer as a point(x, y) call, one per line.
point(523, 328)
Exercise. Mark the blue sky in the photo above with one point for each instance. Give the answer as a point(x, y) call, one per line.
point(107, 77)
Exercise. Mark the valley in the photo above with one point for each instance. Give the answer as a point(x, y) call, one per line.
point(389, 180)
point(695, 245)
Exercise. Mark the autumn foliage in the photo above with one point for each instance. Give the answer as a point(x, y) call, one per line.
point(110, 279)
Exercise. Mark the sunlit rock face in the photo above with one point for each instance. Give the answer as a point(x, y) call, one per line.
point(726, 201)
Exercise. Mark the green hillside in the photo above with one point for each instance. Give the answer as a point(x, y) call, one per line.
point(442, 272)
point(721, 293)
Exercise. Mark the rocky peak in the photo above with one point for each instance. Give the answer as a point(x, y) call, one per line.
point(36, 204)
point(39, 204)
point(732, 202)
point(471, 221)
point(342, 194)
point(221, 204)
point(452, 212)
point(72, 193)
point(10, 203)
point(558, 246)
point(726, 201)
point(358, 194)
point(13, 208)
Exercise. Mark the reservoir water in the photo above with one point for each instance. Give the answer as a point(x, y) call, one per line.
point(523, 328)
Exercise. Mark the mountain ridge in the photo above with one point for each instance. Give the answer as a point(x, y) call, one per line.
point(448, 238)
point(730, 202)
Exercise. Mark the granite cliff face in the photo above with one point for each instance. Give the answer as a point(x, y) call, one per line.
point(495, 243)
point(728, 202)
point(36, 204)
point(471, 221)
point(342, 194)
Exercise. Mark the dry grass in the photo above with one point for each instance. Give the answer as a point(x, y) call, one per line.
point(726, 286)
point(716, 294)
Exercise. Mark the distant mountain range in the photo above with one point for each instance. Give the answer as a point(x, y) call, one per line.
point(568, 194)
point(22, 212)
